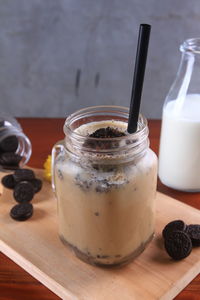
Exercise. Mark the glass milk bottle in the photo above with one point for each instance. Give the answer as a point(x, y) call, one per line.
point(105, 187)
point(179, 157)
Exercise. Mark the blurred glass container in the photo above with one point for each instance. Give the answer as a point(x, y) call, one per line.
point(179, 157)
point(13, 144)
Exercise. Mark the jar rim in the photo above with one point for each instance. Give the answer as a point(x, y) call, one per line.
point(124, 147)
point(191, 45)
point(142, 121)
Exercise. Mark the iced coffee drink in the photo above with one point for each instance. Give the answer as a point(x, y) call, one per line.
point(105, 183)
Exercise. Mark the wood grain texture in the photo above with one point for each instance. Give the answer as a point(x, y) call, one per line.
point(15, 283)
point(37, 248)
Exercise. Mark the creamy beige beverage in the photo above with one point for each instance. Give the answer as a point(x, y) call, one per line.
point(106, 206)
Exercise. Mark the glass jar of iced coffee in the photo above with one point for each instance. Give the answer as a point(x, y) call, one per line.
point(105, 183)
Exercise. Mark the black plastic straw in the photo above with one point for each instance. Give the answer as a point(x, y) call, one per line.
point(138, 78)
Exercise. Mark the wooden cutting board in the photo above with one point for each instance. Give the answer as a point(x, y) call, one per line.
point(35, 246)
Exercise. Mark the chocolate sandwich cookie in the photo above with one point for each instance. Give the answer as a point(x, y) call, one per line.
point(193, 231)
point(8, 181)
point(21, 212)
point(107, 132)
point(23, 175)
point(178, 244)
point(10, 160)
point(23, 192)
point(37, 184)
point(172, 226)
point(9, 144)
point(103, 133)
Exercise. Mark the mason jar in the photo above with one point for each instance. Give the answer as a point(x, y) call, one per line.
point(105, 187)
point(15, 146)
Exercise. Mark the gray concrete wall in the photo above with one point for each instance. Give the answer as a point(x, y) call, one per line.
point(57, 56)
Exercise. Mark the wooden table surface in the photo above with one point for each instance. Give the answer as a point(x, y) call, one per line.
point(17, 284)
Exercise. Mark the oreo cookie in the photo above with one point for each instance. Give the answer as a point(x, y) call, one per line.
point(10, 160)
point(37, 184)
point(9, 144)
point(107, 132)
point(23, 192)
point(8, 181)
point(172, 226)
point(179, 238)
point(178, 245)
point(23, 175)
point(24, 185)
point(103, 133)
point(21, 212)
point(193, 231)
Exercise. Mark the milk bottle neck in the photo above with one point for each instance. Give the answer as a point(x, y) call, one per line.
point(191, 46)
point(187, 82)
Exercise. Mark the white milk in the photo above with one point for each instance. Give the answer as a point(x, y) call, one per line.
point(179, 158)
